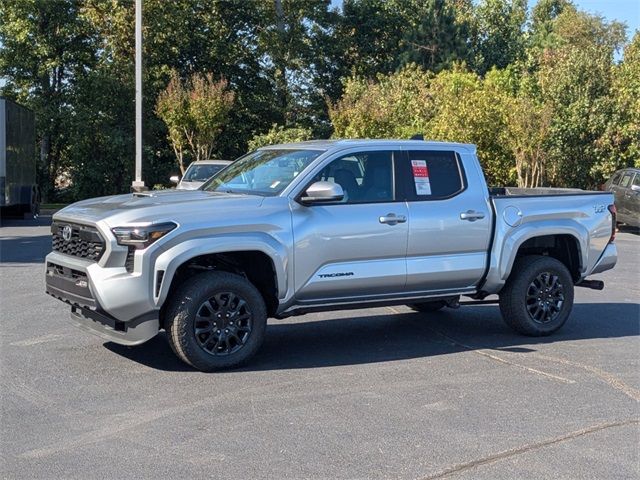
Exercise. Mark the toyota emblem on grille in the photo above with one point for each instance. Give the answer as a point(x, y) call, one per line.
point(66, 233)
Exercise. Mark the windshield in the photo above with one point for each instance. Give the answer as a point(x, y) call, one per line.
point(263, 172)
point(201, 173)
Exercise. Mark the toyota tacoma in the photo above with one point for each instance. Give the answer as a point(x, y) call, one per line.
point(321, 225)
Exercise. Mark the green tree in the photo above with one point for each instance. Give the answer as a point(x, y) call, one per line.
point(456, 105)
point(527, 130)
point(195, 112)
point(619, 145)
point(543, 16)
point(546, 105)
point(279, 134)
point(437, 38)
point(295, 45)
point(471, 109)
point(498, 38)
point(396, 105)
point(45, 48)
point(380, 36)
point(575, 80)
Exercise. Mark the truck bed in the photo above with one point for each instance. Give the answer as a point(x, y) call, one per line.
point(522, 213)
point(539, 191)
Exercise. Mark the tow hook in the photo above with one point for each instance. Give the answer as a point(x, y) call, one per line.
point(593, 284)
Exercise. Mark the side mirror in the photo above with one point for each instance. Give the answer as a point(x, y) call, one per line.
point(635, 188)
point(320, 192)
point(174, 179)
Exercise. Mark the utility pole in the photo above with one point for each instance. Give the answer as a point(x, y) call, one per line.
point(138, 185)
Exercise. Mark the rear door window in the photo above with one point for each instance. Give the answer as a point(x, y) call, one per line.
point(434, 175)
point(626, 180)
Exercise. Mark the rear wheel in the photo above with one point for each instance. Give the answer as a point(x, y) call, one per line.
point(216, 320)
point(538, 296)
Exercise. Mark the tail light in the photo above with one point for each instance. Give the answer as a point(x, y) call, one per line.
point(614, 212)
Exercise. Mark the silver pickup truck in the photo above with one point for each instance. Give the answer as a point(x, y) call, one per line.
point(322, 225)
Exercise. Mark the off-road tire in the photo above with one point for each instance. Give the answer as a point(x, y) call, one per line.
point(518, 298)
point(184, 306)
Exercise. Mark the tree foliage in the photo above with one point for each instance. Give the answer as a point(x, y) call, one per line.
point(195, 112)
point(498, 29)
point(395, 105)
point(551, 108)
point(44, 48)
point(539, 92)
point(279, 134)
point(379, 36)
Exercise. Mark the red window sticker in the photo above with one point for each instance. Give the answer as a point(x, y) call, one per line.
point(421, 177)
point(419, 168)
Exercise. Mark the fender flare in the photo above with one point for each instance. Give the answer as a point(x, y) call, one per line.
point(516, 239)
point(174, 256)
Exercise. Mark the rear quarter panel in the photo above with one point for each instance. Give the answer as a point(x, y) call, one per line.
point(518, 218)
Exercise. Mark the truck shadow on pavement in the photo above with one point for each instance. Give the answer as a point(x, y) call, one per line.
point(16, 247)
point(628, 229)
point(24, 249)
point(400, 336)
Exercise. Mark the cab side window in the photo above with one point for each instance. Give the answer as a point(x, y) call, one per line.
point(365, 177)
point(435, 174)
point(616, 179)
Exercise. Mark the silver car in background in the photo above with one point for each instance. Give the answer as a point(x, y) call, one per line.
point(197, 173)
point(625, 186)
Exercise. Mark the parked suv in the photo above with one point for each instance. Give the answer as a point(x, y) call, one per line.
point(197, 173)
point(321, 225)
point(625, 185)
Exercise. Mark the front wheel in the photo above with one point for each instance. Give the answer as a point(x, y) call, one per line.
point(216, 321)
point(538, 296)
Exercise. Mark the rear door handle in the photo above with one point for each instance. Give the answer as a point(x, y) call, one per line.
point(392, 219)
point(471, 215)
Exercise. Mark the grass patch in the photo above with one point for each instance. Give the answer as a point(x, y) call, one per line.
point(52, 206)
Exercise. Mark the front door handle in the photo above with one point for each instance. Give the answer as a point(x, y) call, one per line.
point(471, 215)
point(392, 219)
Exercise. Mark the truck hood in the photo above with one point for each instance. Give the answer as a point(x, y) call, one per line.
point(157, 206)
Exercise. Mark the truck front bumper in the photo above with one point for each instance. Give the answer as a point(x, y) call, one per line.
point(99, 323)
point(69, 279)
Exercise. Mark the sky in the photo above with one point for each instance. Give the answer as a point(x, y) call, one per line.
point(627, 11)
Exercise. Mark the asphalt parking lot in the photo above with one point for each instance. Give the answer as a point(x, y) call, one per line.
point(365, 394)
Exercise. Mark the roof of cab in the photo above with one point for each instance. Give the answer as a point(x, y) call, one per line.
point(340, 144)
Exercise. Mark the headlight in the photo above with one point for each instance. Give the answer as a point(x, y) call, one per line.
point(142, 237)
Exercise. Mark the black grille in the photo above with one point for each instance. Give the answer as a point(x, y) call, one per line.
point(84, 241)
point(68, 285)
